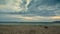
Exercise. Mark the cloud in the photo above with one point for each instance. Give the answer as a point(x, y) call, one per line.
point(33, 18)
point(2, 6)
point(42, 10)
point(44, 7)
point(11, 4)
point(16, 5)
point(47, 7)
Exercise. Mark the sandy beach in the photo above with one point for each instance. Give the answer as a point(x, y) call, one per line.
point(29, 29)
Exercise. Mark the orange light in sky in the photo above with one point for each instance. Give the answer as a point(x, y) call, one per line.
point(56, 17)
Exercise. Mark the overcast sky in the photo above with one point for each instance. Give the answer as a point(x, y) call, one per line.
point(30, 10)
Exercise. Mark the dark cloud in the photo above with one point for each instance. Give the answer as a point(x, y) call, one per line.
point(34, 4)
point(58, 1)
point(44, 2)
point(36, 8)
point(2, 2)
point(51, 2)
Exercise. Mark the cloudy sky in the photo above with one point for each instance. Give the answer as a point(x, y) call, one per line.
point(30, 10)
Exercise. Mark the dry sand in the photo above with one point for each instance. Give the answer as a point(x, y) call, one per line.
point(29, 29)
